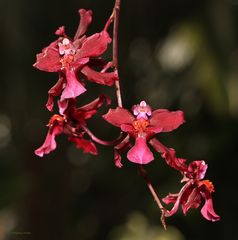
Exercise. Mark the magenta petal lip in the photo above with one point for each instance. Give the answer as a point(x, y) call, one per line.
point(73, 87)
point(48, 146)
point(140, 153)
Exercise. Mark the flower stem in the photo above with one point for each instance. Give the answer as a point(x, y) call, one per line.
point(116, 12)
point(144, 174)
point(100, 141)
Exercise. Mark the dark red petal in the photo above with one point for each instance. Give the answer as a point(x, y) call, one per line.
point(73, 87)
point(53, 92)
point(119, 149)
point(86, 145)
point(117, 159)
point(107, 78)
point(50, 103)
point(169, 155)
point(88, 110)
point(85, 20)
point(94, 45)
point(49, 59)
point(178, 198)
point(166, 120)
point(118, 116)
point(140, 153)
point(95, 103)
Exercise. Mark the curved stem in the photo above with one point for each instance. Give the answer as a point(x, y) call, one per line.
point(116, 12)
point(144, 174)
point(109, 21)
point(100, 141)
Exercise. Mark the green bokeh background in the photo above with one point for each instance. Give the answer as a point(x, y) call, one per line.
point(173, 54)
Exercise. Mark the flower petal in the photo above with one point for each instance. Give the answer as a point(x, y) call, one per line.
point(119, 149)
point(107, 78)
point(94, 45)
point(49, 144)
point(73, 87)
point(166, 120)
point(191, 199)
point(118, 116)
point(49, 59)
point(169, 155)
point(176, 199)
point(127, 128)
point(86, 145)
point(140, 153)
point(85, 20)
point(171, 198)
point(88, 110)
point(53, 92)
point(208, 211)
point(117, 159)
point(79, 63)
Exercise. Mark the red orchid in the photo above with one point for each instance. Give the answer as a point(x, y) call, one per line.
point(143, 125)
point(69, 57)
point(71, 124)
point(79, 59)
point(191, 194)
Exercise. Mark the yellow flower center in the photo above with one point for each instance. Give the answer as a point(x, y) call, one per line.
point(67, 60)
point(54, 118)
point(208, 184)
point(140, 125)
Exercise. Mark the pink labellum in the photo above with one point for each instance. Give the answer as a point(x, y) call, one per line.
point(73, 87)
point(140, 153)
point(119, 116)
point(49, 59)
point(94, 45)
point(86, 145)
point(208, 211)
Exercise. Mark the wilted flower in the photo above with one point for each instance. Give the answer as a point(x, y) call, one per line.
point(192, 193)
point(70, 123)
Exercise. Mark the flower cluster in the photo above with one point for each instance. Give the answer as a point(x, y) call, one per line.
point(74, 60)
point(142, 127)
point(79, 59)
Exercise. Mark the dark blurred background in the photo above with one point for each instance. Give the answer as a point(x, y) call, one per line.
point(173, 54)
